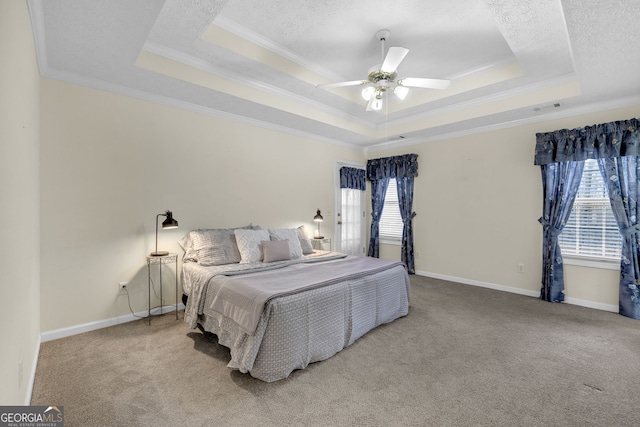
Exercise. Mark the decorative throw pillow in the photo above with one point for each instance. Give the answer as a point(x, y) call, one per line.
point(216, 247)
point(249, 244)
point(275, 250)
point(291, 235)
point(305, 244)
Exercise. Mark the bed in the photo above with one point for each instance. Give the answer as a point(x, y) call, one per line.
point(277, 304)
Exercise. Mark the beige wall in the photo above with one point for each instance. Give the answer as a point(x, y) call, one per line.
point(478, 199)
point(111, 163)
point(19, 193)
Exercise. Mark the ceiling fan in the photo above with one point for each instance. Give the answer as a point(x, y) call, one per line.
point(383, 77)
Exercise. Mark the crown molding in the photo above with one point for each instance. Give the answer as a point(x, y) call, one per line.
point(183, 105)
point(593, 107)
point(475, 102)
point(397, 143)
point(199, 64)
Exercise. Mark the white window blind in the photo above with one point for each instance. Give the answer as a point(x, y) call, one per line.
point(391, 222)
point(591, 231)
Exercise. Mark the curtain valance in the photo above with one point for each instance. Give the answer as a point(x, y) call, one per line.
point(405, 166)
point(607, 140)
point(353, 178)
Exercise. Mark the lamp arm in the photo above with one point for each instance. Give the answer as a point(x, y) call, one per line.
point(158, 216)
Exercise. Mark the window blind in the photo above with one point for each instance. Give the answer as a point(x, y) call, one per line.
point(591, 230)
point(390, 221)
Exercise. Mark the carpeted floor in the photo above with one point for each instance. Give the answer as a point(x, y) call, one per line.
point(464, 356)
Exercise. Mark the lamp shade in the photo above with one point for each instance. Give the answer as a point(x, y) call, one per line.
point(318, 217)
point(169, 222)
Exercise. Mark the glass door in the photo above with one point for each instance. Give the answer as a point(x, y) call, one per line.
point(350, 219)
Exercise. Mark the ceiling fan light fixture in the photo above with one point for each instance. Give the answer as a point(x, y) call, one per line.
point(401, 92)
point(368, 92)
point(376, 105)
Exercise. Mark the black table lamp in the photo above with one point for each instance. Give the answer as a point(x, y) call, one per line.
point(169, 222)
point(318, 218)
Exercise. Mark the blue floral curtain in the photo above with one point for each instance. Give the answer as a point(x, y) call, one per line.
point(560, 183)
point(616, 145)
point(602, 141)
point(379, 171)
point(405, 166)
point(353, 178)
point(621, 175)
point(405, 199)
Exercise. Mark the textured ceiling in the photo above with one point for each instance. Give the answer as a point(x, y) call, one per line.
point(260, 62)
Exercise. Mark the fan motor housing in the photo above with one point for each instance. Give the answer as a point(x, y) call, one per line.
point(376, 76)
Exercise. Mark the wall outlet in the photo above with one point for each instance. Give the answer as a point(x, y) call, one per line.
point(122, 286)
point(416, 254)
point(521, 268)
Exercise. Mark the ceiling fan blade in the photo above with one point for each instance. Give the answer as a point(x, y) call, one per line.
point(343, 84)
point(394, 57)
point(424, 83)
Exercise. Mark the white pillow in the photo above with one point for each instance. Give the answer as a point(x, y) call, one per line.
point(291, 235)
point(305, 244)
point(249, 244)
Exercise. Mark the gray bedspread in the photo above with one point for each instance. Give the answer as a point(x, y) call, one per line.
point(196, 278)
point(298, 328)
point(242, 298)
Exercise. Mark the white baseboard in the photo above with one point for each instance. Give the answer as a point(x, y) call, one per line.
point(99, 324)
point(592, 304)
point(536, 294)
point(32, 376)
point(480, 284)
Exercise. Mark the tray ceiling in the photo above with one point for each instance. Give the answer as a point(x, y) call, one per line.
point(260, 62)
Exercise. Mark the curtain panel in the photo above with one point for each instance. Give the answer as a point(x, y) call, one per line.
point(380, 171)
point(405, 200)
point(622, 177)
point(353, 178)
point(560, 183)
point(616, 146)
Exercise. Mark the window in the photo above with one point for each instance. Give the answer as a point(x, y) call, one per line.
point(391, 222)
point(591, 232)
